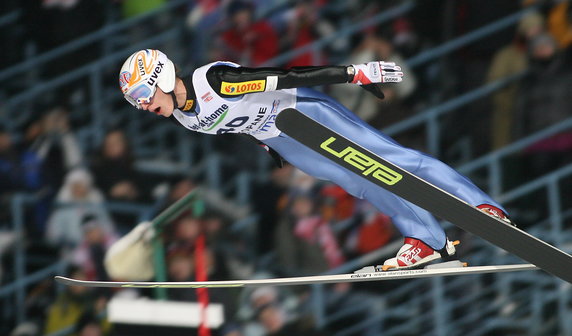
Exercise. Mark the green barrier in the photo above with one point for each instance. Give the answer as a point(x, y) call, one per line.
point(189, 201)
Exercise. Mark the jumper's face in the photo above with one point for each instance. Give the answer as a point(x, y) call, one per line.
point(160, 103)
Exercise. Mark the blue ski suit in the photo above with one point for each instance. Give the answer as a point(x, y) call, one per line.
point(239, 100)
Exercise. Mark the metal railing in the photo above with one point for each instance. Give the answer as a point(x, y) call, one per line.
point(190, 200)
point(492, 160)
point(18, 204)
point(470, 37)
point(10, 17)
point(380, 18)
point(429, 117)
point(443, 323)
point(91, 38)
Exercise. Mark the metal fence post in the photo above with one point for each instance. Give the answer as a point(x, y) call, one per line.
point(17, 204)
point(158, 223)
point(439, 309)
point(318, 305)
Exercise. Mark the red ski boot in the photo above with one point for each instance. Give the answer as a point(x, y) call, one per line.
point(414, 254)
point(496, 212)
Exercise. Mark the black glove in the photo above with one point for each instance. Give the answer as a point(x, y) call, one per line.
point(274, 154)
point(374, 89)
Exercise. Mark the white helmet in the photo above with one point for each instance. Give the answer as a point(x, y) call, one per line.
point(142, 72)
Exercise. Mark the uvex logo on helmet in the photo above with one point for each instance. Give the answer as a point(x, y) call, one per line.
point(141, 64)
point(155, 74)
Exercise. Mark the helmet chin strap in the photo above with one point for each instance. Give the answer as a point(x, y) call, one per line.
point(175, 104)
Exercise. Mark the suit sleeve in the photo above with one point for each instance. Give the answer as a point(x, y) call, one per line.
point(229, 81)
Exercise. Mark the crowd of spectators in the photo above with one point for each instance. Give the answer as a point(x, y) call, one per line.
point(303, 226)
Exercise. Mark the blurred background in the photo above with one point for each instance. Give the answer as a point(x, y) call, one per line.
point(487, 89)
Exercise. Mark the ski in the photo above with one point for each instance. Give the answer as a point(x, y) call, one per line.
point(308, 280)
point(375, 169)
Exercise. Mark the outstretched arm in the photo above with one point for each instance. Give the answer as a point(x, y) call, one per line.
point(231, 82)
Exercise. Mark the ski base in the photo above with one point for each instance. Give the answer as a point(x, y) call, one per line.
point(308, 280)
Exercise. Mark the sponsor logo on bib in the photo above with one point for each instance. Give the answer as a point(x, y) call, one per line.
point(209, 122)
point(235, 89)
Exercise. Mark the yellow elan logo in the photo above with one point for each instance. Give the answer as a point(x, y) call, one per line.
point(364, 163)
point(242, 87)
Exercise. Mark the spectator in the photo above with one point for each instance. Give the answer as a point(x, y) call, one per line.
point(202, 17)
point(337, 205)
point(89, 325)
point(560, 23)
point(268, 198)
point(544, 100)
point(114, 171)
point(72, 304)
point(378, 113)
point(304, 240)
point(359, 226)
point(186, 230)
point(304, 26)
point(212, 198)
point(213, 226)
point(181, 187)
point(48, 150)
point(250, 42)
point(203, 11)
point(183, 264)
point(262, 297)
point(232, 330)
point(56, 145)
point(15, 175)
point(375, 231)
point(90, 253)
point(277, 323)
point(510, 60)
point(406, 40)
point(180, 266)
point(78, 203)
point(21, 170)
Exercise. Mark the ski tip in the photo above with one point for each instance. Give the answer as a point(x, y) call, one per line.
point(60, 279)
point(65, 281)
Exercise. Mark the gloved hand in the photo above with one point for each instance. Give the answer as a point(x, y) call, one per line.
point(376, 72)
point(274, 154)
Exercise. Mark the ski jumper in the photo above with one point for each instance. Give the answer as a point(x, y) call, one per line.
point(251, 106)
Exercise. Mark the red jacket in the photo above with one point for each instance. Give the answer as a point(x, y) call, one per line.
point(258, 42)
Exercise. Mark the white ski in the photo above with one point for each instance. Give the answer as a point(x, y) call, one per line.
point(308, 280)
